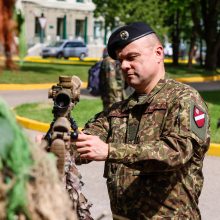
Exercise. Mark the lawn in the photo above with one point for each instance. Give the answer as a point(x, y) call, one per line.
point(183, 71)
point(49, 73)
point(82, 112)
point(43, 73)
point(213, 102)
point(87, 108)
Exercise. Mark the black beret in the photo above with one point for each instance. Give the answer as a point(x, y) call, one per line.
point(125, 35)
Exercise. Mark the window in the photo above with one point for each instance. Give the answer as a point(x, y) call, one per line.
point(80, 1)
point(37, 28)
point(80, 28)
point(70, 44)
point(97, 29)
point(80, 44)
point(74, 44)
point(60, 22)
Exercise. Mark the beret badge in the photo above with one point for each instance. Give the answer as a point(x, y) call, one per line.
point(124, 35)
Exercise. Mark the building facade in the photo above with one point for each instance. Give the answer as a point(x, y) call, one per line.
point(47, 21)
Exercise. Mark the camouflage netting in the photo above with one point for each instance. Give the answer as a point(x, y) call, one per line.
point(30, 187)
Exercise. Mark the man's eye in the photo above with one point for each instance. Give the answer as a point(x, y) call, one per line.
point(130, 58)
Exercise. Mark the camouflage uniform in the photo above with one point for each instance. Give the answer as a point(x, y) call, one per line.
point(157, 144)
point(111, 82)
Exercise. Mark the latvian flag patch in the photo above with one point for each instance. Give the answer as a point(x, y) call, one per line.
point(199, 117)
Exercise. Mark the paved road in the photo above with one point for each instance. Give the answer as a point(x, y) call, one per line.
point(95, 188)
point(206, 86)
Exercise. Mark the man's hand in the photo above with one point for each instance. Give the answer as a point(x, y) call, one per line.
point(91, 147)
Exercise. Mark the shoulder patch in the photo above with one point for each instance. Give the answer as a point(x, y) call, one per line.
point(198, 121)
point(199, 117)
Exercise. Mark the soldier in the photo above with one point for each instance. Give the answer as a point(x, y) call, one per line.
point(111, 81)
point(154, 142)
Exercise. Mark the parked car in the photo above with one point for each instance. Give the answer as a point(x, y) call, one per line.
point(66, 49)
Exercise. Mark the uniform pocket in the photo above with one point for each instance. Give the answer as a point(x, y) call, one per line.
point(152, 122)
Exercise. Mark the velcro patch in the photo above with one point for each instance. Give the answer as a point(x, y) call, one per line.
point(198, 121)
point(199, 117)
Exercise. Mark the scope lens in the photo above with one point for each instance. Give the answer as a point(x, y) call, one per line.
point(62, 100)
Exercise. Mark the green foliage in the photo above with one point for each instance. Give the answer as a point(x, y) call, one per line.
point(125, 11)
point(175, 19)
point(15, 160)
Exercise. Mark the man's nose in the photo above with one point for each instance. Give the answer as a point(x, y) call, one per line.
point(125, 65)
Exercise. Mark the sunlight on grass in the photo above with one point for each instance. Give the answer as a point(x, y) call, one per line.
point(82, 112)
point(42, 73)
point(49, 73)
point(213, 102)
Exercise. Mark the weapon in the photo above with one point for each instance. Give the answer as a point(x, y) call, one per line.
point(60, 140)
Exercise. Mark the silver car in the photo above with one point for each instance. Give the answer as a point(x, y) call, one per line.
point(66, 49)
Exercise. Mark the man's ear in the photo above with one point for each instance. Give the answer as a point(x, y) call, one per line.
point(159, 53)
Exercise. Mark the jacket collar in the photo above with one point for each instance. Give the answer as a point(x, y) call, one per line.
point(141, 99)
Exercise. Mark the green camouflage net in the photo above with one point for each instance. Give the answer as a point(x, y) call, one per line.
point(30, 187)
point(15, 162)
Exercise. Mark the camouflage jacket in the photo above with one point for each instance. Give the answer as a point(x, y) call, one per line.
point(157, 144)
point(111, 82)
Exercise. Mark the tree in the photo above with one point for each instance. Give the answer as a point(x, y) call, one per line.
point(126, 11)
point(206, 18)
point(180, 27)
point(190, 20)
point(7, 30)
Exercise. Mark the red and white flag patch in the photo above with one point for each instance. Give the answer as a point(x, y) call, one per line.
point(199, 117)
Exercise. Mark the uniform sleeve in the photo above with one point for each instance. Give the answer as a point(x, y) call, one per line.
point(98, 126)
point(185, 134)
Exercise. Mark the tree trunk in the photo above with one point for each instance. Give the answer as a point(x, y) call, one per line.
point(211, 56)
point(7, 31)
point(176, 39)
point(192, 49)
point(210, 14)
point(218, 58)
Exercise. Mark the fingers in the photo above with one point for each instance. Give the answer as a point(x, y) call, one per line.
point(86, 156)
point(83, 140)
point(84, 150)
point(83, 137)
point(91, 147)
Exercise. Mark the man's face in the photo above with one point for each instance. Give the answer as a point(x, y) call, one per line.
point(139, 63)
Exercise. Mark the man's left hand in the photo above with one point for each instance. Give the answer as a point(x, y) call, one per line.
point(91, 147)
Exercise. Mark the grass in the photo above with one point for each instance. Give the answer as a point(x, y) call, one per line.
point(82, 112)
point(87, 108)
point(42, 73)
point(183, 71)
point(49, 73)
point(213, 102)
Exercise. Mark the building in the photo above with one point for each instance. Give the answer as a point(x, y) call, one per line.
point(49, 20)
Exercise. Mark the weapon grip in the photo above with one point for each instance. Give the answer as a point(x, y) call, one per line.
point(58, 148)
